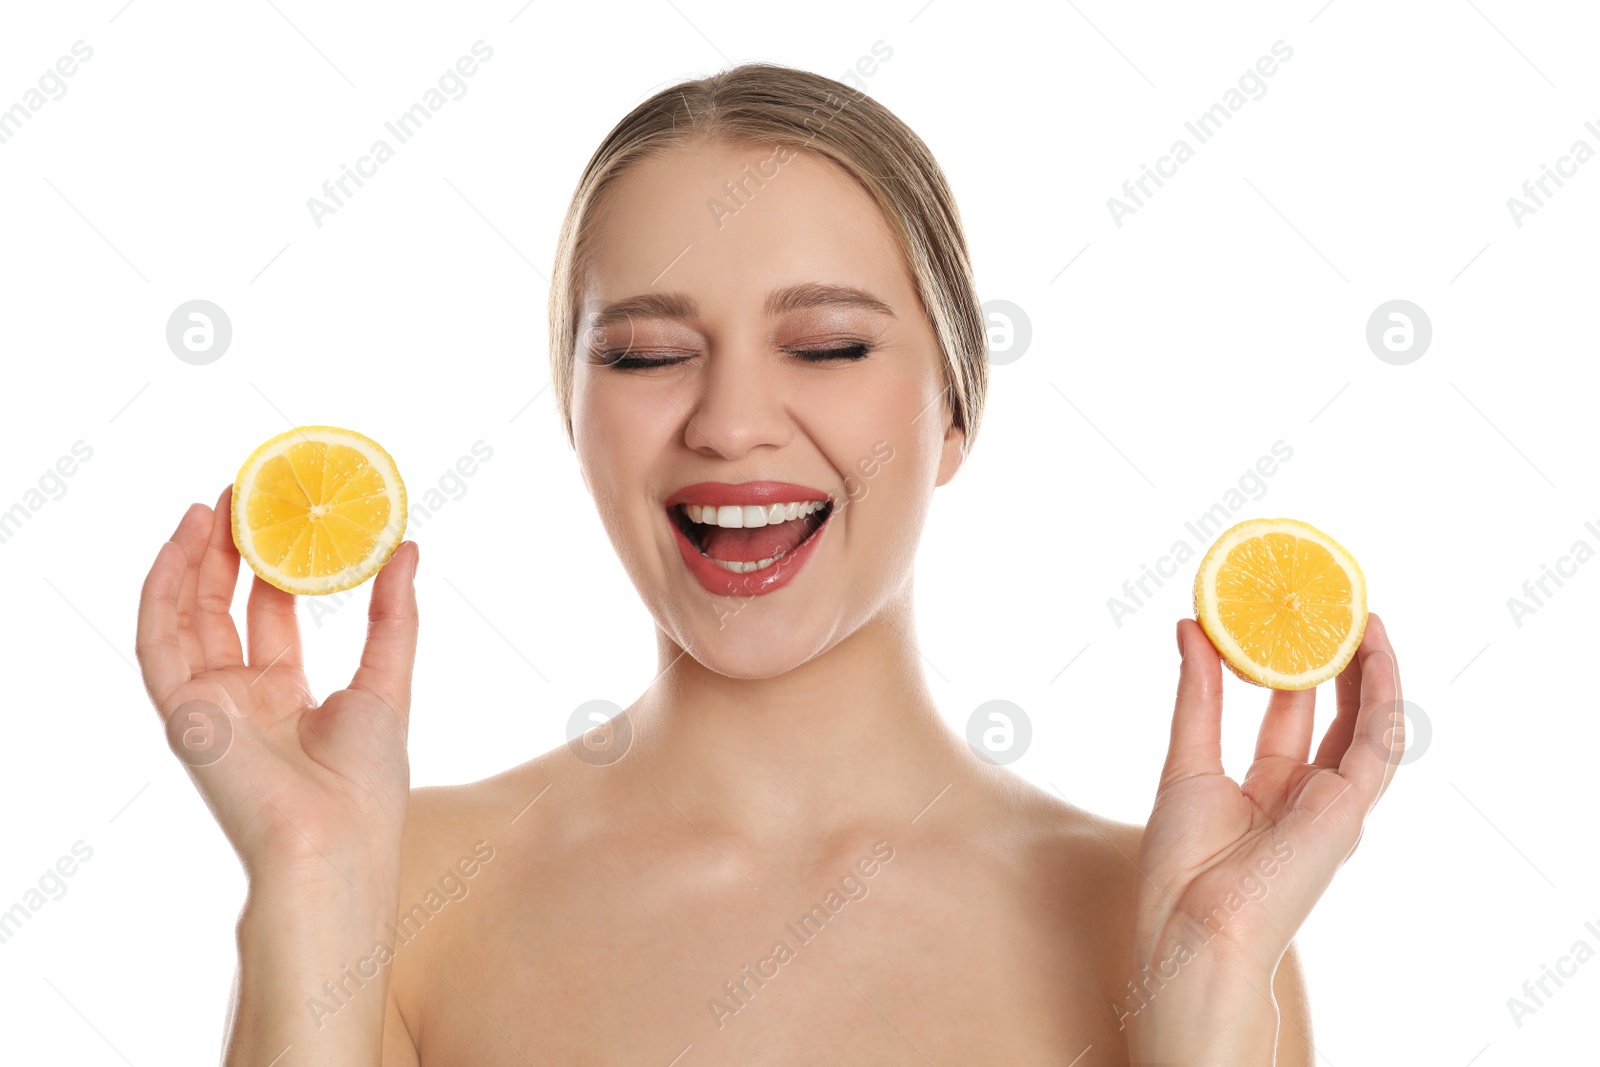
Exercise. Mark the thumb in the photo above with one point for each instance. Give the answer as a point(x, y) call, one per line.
point(391, 648)
point(1196, 746)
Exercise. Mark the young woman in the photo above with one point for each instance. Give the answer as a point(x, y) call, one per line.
point(768, 351)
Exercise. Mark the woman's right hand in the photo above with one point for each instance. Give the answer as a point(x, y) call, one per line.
point(305, 792)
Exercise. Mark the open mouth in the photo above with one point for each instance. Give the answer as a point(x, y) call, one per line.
point(747, 538)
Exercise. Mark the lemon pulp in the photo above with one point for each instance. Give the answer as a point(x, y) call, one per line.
point(1284, 603)
point(318, 509)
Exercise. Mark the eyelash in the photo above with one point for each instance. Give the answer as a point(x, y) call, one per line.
point(847, 353)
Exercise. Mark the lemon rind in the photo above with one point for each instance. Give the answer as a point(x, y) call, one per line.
point(1206, 613)
point(388, 540)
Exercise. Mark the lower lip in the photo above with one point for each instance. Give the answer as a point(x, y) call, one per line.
point(756, 583)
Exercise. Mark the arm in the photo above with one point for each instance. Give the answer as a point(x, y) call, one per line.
point(1269, 1025)
point(1295, 1045)
point(307, 980)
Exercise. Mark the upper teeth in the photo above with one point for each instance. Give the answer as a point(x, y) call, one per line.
point(736, 517)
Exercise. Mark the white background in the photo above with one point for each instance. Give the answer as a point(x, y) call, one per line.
point(1228, 313)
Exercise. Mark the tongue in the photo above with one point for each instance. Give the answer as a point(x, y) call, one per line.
point(757, 543)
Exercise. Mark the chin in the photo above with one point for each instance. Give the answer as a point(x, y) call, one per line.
point(750, 641)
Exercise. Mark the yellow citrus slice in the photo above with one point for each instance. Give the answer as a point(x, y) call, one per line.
point(1283, 602)
point(318, 509)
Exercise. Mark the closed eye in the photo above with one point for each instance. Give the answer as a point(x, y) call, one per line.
point(625, 361)
point(844, 352)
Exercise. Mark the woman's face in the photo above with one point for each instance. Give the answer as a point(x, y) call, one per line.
point(720, 347)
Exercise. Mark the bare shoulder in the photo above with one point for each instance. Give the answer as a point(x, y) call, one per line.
point(1093, 856)
point(442, 818)
point(1093, 861)
point(460, 842)
point(485, 819)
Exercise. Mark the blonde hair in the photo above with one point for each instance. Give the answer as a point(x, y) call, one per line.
point(770, 105)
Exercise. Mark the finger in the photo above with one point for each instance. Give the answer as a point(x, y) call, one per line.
point(219, 576)
point(1374, 753)
point(1348, 687)
point(1286, 730)
point(273, 629)
point(161, 657)
point(191, 536)
point(1381, 639)
point(391, 646)
point(1196, 745)
point(1393, 711)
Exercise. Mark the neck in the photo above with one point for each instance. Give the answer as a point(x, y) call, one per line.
point(847, 740)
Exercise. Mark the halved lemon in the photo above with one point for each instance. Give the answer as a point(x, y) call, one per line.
point(318, 509)
point(1284, 603)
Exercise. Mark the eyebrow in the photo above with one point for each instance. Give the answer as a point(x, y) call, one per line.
point(675, 305)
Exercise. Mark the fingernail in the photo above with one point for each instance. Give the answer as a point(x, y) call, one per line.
point(1178, 633)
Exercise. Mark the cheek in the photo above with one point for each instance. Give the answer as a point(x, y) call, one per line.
point(885, 439)
point(610, 460)
point(645, 405)
point(617, 425)
point(889, 481)
point(865, 406)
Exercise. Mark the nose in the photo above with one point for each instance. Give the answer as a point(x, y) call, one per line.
point(739, 406)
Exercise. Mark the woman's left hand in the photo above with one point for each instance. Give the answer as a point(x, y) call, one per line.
point(1231, 869)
